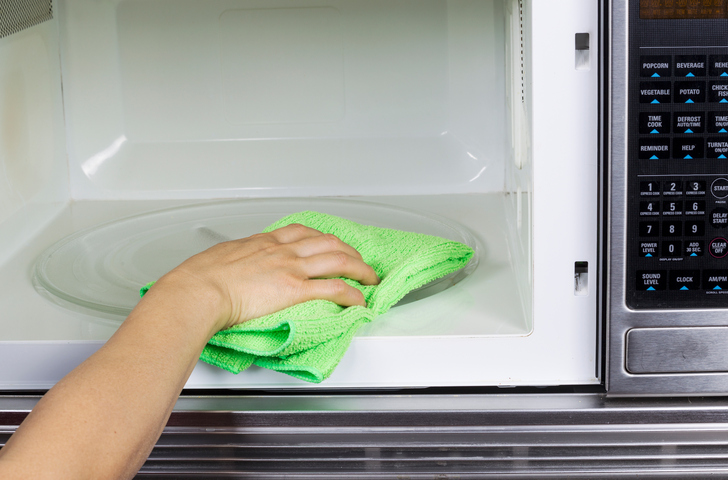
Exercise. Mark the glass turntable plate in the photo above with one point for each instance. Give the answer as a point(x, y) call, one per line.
point(101, 269)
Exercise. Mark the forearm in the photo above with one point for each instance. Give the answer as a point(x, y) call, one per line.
point(104, 417)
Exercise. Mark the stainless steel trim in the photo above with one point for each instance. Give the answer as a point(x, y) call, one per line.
point(435, 436)
point(677, 350)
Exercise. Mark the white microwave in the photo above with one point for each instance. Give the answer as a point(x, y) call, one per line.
point(127, 126)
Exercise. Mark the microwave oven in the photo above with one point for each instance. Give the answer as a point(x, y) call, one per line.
point(577, 146)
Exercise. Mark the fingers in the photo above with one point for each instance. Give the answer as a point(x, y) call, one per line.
point(293, 233)
point(337, 263)
point(334, 290)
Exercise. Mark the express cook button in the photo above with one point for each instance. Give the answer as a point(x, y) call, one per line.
point(715, 279)
point(685, 280)
point(651, 280)
point(718, 247)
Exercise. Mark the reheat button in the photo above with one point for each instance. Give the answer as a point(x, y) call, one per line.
point(719, 188)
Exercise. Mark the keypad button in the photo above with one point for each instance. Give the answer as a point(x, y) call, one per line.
point(672, 208)
point(649, 189)
point(718, 65)
point(649, 229)
point(717, 122)
point(671, 248)
point(654, 148)
point(672, 188)
point(718, 247)
point(695, 228)
point(719, 217)
point(687, 148)
point(689, 92)
point(694, 248)
point(648, 249)
point(719, 187)
point(651, 280)
point(718, 91)
point(654, 122)
point(695, 187)
point(689, 122)
point(715, 279)
point(655, 66)
point(690, 66)
point(685, 280)
point(649, 209)
point(717, 148)
point(672, 228)
point(655, 92)
point(695, 207)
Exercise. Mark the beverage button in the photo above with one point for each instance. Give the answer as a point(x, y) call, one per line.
point(651, 280)
point(685, 280)
point(655, 122)
point(655, 92)
point(718, 247)
point(687, 148)
point(690, 66)
point(718, 65)
point(719, 217)
point(648, 249)
point(715, 279)
point(671, 248)
point(686, 122)
point(655, 66)
point(719, 188)
point(654, 148)
point(717, 148)
point(717, 122)
point(689, 92)
point(718, 91)
point(694, 248)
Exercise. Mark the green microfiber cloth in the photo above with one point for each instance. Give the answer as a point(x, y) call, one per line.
point(308, 340)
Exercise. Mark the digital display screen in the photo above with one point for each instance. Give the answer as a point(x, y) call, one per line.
point(683, 9)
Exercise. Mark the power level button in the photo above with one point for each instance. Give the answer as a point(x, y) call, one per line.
point(719, 188)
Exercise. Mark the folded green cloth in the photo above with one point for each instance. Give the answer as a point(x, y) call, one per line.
point(308, 340)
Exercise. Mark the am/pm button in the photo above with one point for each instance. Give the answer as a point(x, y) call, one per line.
point(715, 279)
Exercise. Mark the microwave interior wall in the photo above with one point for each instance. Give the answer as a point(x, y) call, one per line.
point(120, 107)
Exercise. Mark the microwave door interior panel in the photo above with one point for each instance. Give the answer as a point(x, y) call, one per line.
point(669, 199)
point(134, 134)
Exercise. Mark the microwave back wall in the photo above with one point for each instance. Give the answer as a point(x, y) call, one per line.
point(136, 132)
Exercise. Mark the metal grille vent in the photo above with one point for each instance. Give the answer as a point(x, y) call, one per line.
point(17, 15)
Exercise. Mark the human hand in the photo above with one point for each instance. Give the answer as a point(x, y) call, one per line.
point(264, 273)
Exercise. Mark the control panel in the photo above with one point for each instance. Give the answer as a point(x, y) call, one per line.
point(677, 186)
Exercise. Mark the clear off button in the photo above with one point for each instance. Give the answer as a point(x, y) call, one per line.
point(719, 188)
point(718, 247)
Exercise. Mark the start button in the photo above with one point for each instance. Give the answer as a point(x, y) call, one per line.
point(719, 188)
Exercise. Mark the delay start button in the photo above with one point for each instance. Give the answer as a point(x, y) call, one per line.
point(718, 247)
point(719, 188)
point(719, 217)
